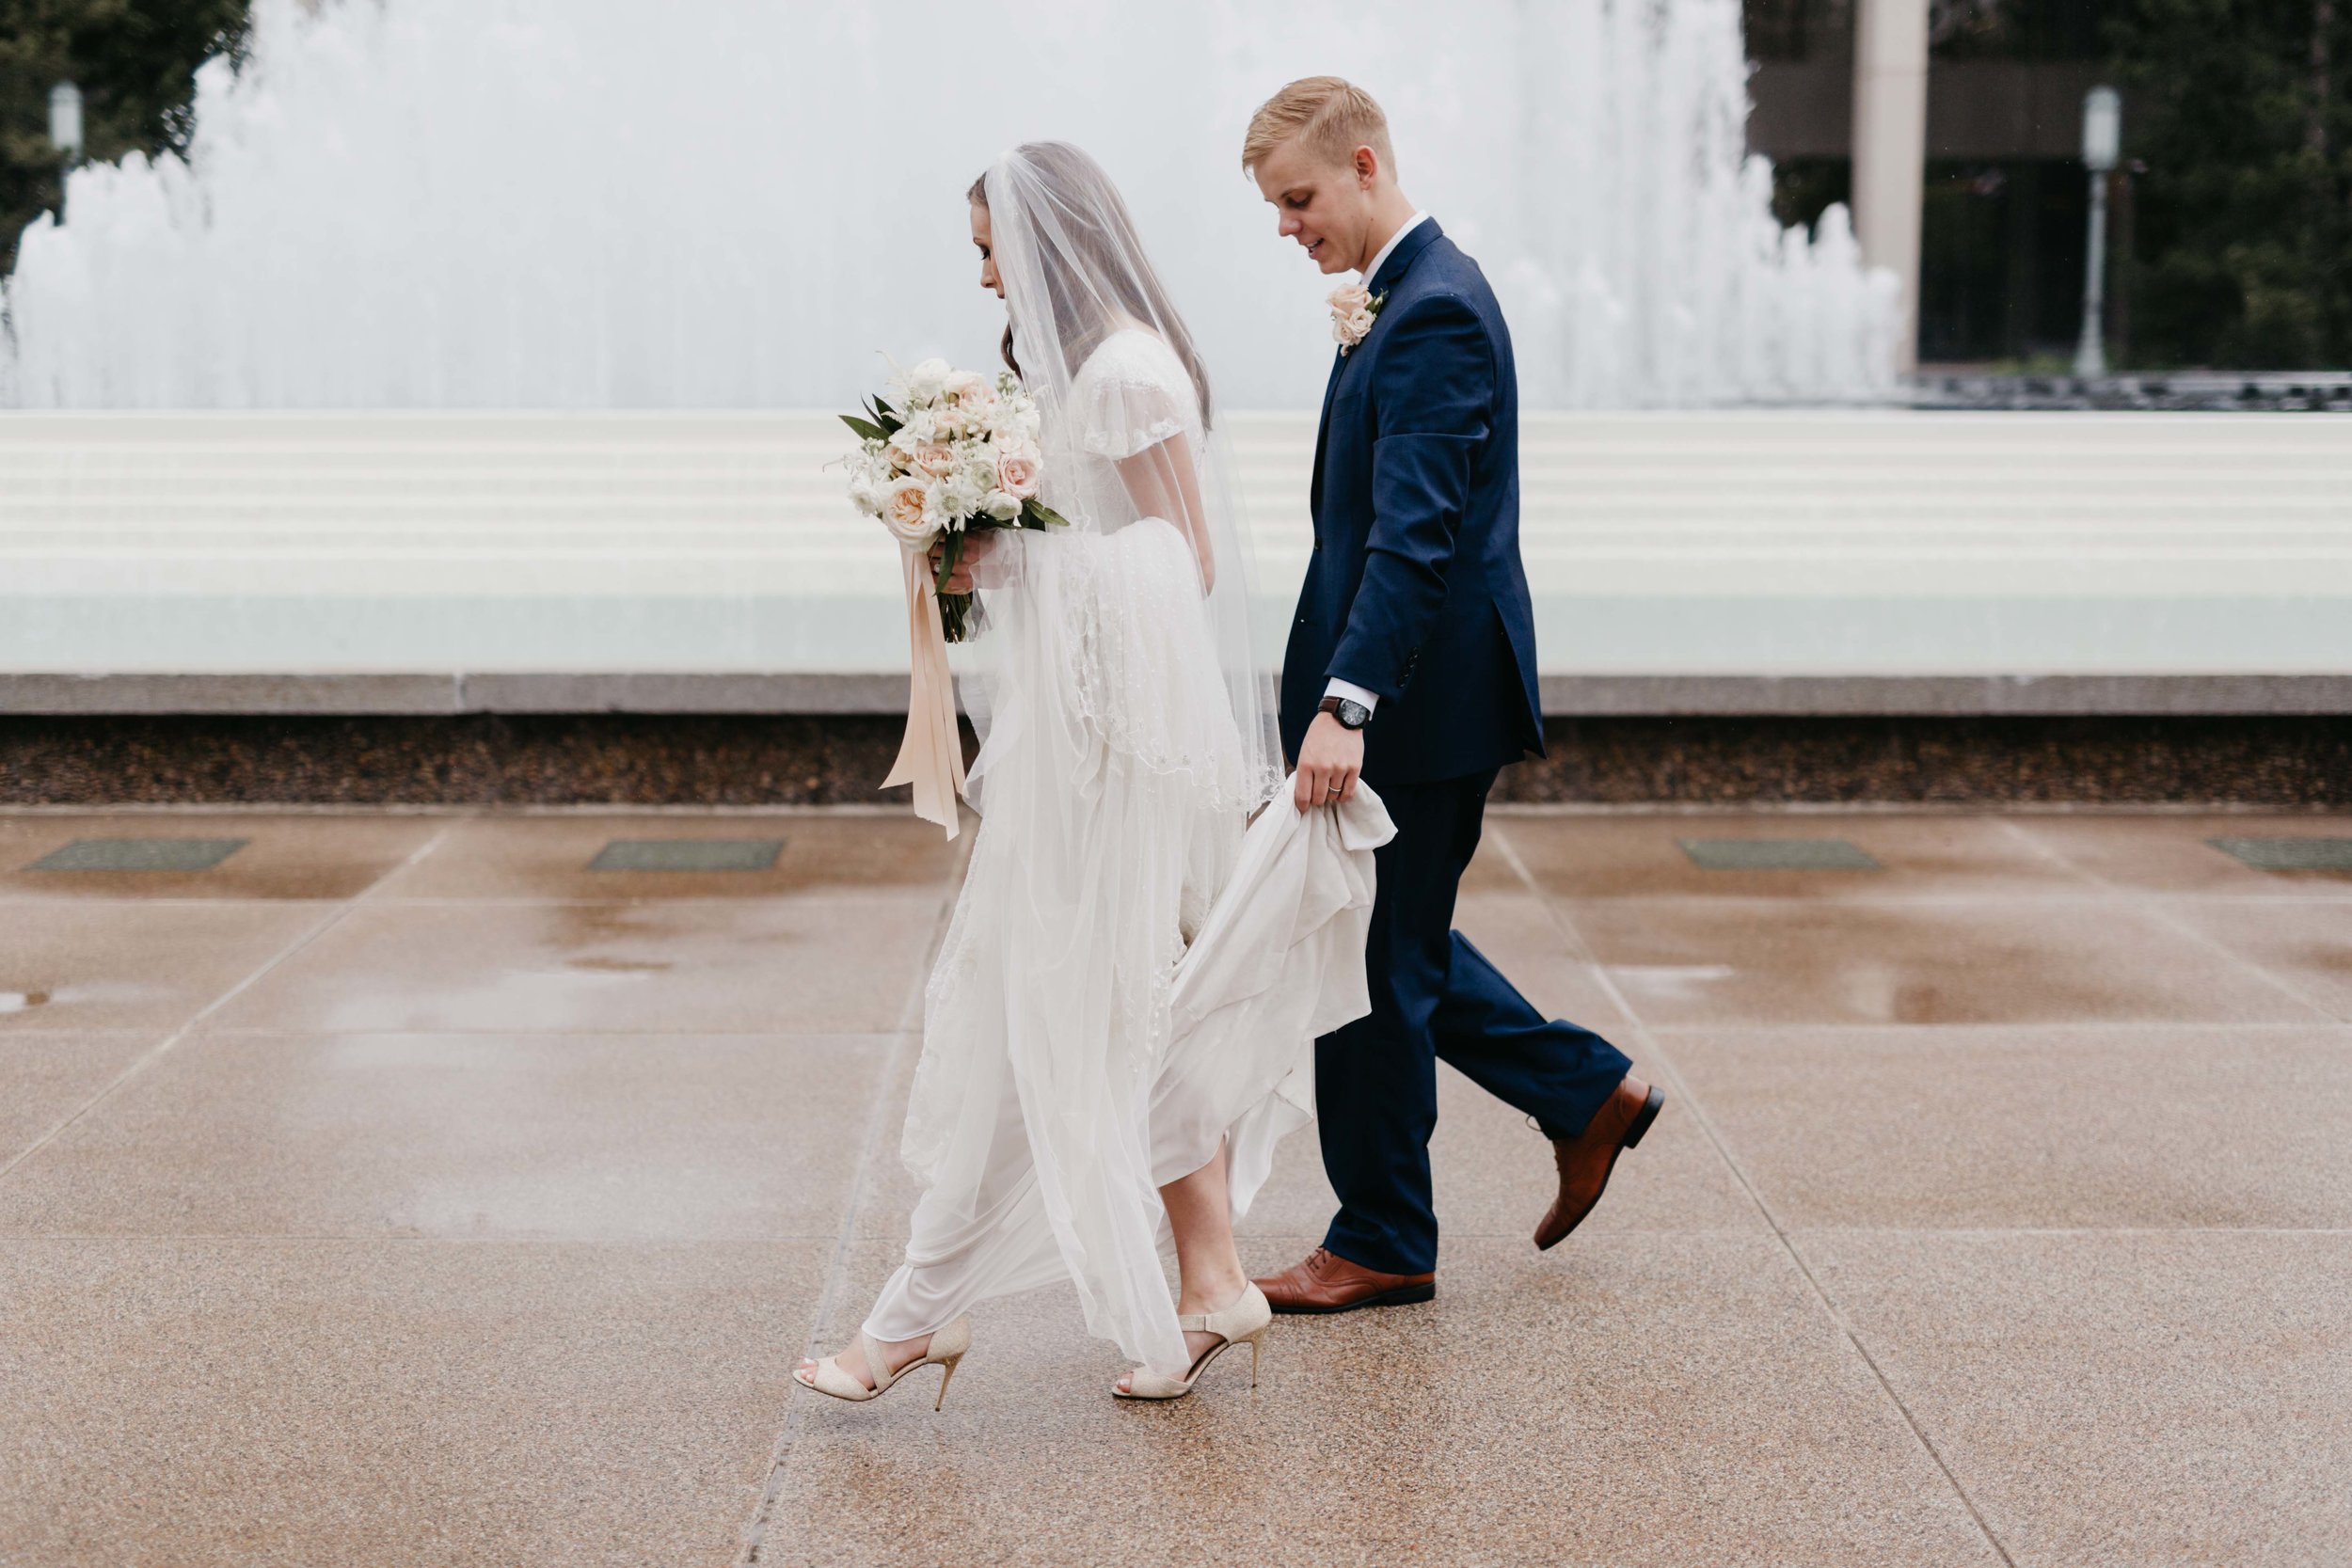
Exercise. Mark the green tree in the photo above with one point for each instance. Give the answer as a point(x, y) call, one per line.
point(134, 62)
point(2243, 125)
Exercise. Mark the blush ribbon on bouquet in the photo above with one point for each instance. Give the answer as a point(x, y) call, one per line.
point(931, 756)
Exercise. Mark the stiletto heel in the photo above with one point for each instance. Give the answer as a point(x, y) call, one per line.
point(948, 1349)
point(1245, 1317)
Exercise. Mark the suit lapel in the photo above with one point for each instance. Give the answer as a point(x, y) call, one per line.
point(1420, 239)
point(1323, 432)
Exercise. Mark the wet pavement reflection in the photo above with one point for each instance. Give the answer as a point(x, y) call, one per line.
point(461, 1189)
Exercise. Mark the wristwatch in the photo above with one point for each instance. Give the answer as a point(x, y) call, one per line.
point(1351, 714)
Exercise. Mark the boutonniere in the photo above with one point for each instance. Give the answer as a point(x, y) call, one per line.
point(1354, 308)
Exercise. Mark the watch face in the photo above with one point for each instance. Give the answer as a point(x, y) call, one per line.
point(1353, 715)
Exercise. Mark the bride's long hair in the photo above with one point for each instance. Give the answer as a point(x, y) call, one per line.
point(1095, 224)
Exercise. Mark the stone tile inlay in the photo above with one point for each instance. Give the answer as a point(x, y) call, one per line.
point(139, 854)
point(1777, 854)
point(688, 854)
point(2289, 854)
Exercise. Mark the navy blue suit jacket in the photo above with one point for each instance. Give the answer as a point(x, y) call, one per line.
point(1415, 589)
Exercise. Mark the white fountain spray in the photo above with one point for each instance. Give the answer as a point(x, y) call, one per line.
point(595, 203)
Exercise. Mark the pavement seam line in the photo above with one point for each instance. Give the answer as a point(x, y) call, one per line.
point(2147, 902)
point(754, 1534)
point(157, 1052)
point(1576, 942)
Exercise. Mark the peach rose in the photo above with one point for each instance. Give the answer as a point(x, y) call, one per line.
point(1349, 298)
point(935, 460)
point(1017, 473)
point(907, 512)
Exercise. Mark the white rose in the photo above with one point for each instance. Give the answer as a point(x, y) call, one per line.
point(1002, 506)
point(965, 387)
point(928, 380)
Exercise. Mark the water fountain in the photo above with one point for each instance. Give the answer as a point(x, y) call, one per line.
point(566, 204)
point(475, 359)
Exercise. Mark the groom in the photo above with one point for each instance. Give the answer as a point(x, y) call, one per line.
point(1412, 665)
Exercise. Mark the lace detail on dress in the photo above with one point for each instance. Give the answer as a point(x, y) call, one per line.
point(1132, 394)
point(1132, 657)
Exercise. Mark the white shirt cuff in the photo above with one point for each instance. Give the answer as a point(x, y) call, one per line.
point(1353, 692)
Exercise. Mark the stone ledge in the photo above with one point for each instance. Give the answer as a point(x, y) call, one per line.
point(761, 759)
point(1955, 696)
point(1564, 696)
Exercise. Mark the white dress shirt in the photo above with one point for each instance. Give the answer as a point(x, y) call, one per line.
point(1339, 687)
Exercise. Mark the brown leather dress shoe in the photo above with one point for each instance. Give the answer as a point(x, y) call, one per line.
point(1586, 1160)
point(1327, 1282)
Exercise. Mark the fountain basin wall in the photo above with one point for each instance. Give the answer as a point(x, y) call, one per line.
point(1705, 561)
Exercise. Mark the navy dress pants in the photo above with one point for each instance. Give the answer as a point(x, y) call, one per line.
point(1434, 996)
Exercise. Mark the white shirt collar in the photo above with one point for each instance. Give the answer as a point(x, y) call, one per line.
point(1396, 239)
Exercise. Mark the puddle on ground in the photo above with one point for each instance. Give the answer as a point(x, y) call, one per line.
point(618, 966)
point(17, 1001)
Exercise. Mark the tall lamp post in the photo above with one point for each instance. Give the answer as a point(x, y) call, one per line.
point(2103, 130)
point(65, 132)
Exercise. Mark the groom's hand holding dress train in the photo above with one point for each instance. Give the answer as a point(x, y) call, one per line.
point(1412, 663)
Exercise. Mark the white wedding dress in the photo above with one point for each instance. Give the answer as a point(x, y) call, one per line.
point(1058, 1088)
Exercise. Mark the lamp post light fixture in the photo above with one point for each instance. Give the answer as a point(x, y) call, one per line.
point(65, 132)
point(2103, 134)
point(65, 121)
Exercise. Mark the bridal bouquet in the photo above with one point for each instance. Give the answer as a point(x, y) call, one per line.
point(954, 455)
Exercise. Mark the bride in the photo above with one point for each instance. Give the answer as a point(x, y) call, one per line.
point(1060, 1125)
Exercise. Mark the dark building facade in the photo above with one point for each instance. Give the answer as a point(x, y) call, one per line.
point(2006, 198)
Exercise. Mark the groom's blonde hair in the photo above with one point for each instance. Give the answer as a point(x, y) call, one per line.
point(1331, 116)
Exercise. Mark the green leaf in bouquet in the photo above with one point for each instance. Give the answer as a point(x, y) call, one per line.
point(866, 431)
point(950, 553)
point(1036, 514)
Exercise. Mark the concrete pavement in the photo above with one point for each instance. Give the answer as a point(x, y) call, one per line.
point(399, 1189)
